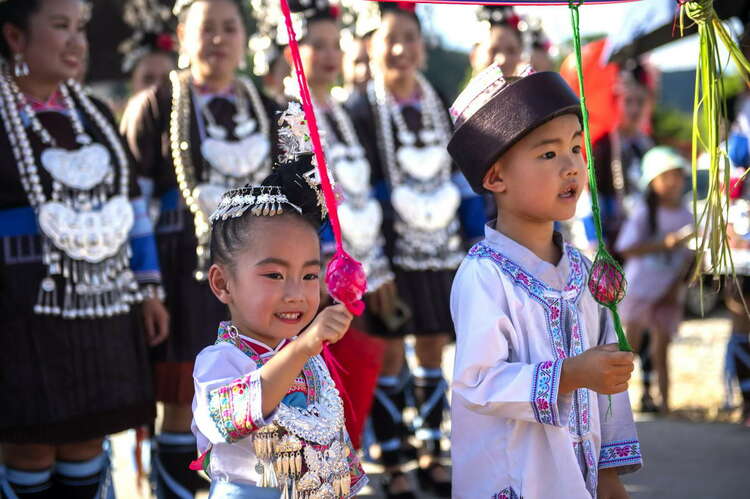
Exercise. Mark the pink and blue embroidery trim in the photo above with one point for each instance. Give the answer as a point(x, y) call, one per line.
point(232, 407)
point(616, 454)
point(544, 392)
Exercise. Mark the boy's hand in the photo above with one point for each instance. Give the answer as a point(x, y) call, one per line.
point(328, 327)
point(603, 369)
point(610, 486)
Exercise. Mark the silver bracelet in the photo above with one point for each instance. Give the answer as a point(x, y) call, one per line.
point(152, 291)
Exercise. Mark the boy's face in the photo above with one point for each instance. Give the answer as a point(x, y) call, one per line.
point(540, 178)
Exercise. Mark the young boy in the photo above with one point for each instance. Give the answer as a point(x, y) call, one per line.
point(536, 356)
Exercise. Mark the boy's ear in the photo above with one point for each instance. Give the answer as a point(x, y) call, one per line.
point(218, 280)
point(493, 179)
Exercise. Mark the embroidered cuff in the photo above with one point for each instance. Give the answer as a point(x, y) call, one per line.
point(544, 394)
point(626, 455)
point(237, 408)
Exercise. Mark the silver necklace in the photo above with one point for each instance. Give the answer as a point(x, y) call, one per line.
point(84, 236)
point(232, 163)
point(360, 213)
point(422, 192)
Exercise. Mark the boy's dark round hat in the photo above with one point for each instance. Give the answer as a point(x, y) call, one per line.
point(493, 113)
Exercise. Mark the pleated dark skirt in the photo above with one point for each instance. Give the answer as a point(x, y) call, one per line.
point(64, 380)
point(194, 312)
point(426, 293)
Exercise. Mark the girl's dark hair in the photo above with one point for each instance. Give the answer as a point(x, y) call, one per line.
point(17, 13)
point(185, 8)
point(501, 16)
point(652, 205)
point(232, 235)
point(402, 8)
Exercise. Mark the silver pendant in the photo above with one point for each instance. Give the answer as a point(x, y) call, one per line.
point(245, 128)
point(352, 174)
point(237, 159)
point(429, 211)
point(407, 138)
point(217, 132)
point(91, 236)
point(83, 139)
point(361, 226)
point(209, 197)
point(423, 163)
point(81, 169)
point(427, 136)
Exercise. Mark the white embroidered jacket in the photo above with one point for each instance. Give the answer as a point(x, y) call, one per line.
point(513, 435)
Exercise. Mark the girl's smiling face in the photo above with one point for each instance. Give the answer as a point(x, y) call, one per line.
point(272, 287)
point(539, 179)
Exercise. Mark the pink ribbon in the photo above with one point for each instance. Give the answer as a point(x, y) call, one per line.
point(345, 276)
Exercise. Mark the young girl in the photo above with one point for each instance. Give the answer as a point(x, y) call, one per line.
point(267, 415)
point(203, 131)
point(652, 242)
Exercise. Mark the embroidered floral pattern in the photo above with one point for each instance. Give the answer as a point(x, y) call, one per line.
point(506, 493)
point(231, 407)
point(616, 454)
point(544, 392)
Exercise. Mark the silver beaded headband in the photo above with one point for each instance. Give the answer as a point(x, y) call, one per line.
point(263, 201)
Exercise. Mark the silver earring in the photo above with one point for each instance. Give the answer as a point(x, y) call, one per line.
point(243, 64)
point(20, 68)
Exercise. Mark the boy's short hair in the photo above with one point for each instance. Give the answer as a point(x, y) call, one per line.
point(494, 112)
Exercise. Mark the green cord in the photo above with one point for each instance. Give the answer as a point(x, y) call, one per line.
point(585, 118)
point(602, 255)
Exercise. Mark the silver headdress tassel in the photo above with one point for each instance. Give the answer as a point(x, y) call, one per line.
point(265, 201)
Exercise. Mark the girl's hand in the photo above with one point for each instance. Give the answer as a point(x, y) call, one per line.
point(610, 486)
point(328, 327)
point(156, 321)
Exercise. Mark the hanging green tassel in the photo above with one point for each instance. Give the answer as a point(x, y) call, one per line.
point(709, 114)
point(607, 282)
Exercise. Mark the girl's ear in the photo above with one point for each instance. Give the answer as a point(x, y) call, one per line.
point(218, 280)
point(493, 179)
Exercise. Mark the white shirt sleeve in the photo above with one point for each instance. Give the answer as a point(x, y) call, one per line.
point(485, 377)
point(227, 405)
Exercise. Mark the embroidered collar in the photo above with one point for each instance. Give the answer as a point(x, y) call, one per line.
point(554, 276)
point(54, 103)
point(254, 348)
point(261, 348)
